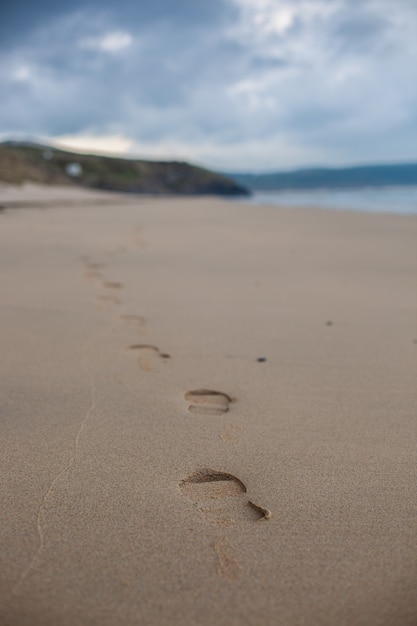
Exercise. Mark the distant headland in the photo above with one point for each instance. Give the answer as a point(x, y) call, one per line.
point(31, 162)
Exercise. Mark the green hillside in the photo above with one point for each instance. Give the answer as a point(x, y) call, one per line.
point(26, 162)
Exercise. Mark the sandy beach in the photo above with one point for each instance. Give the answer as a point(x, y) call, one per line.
point(207, 413)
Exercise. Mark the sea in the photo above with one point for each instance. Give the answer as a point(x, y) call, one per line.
point(393, 200)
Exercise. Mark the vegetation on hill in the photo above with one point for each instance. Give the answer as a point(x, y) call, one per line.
point(349, 177)
point(26, 162)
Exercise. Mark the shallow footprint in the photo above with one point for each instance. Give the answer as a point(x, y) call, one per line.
point(146, 353)
point(91, 265)
point(104, 300)
point(230, 433)
point(91, 269)
point(222, 498)
point(112, 284)
point(208, 402)
point(227, 564)
point(135, 322)
point(93, 274)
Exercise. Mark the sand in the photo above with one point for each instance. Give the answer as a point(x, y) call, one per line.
point(207, 414)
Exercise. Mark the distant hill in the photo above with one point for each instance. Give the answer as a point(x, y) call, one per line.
point(325, 178)
point(21, 162)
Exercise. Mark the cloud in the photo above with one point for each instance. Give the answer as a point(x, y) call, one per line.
point(237, 83)
point(103, 144)
point(21, 73)
point(108, 42)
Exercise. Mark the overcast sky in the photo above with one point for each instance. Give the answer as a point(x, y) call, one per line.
point(237, 85)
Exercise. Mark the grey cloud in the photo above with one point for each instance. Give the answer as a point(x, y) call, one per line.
point(268, 63)
point(359, 33)
point(21, 18)
point(181, 78)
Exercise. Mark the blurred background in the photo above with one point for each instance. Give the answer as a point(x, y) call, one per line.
point(237, 86)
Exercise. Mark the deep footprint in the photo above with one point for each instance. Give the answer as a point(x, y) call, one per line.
point(222, 498)
point(208, 402)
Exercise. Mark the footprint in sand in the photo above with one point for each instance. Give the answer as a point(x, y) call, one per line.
point(227, 563)
point(147, 354)
point(112, 284)
point(135, 322)
point(91, 273)
point(222, 498)
point(104, 300)
point(91, 269)
point(95, 266)
point(91, 265)
point(208, 402)
point(230, 433)
point(109, 298)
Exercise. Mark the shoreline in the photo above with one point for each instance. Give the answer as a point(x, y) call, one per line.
point(373, 200)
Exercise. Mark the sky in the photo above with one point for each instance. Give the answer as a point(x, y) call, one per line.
point(235, 85)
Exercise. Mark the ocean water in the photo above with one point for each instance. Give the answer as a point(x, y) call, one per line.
point(395, 200)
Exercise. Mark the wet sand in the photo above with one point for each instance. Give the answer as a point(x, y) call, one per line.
point(207, 414)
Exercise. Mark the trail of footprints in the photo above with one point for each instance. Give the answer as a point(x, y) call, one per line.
point(109, 297)
point(221, 498)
